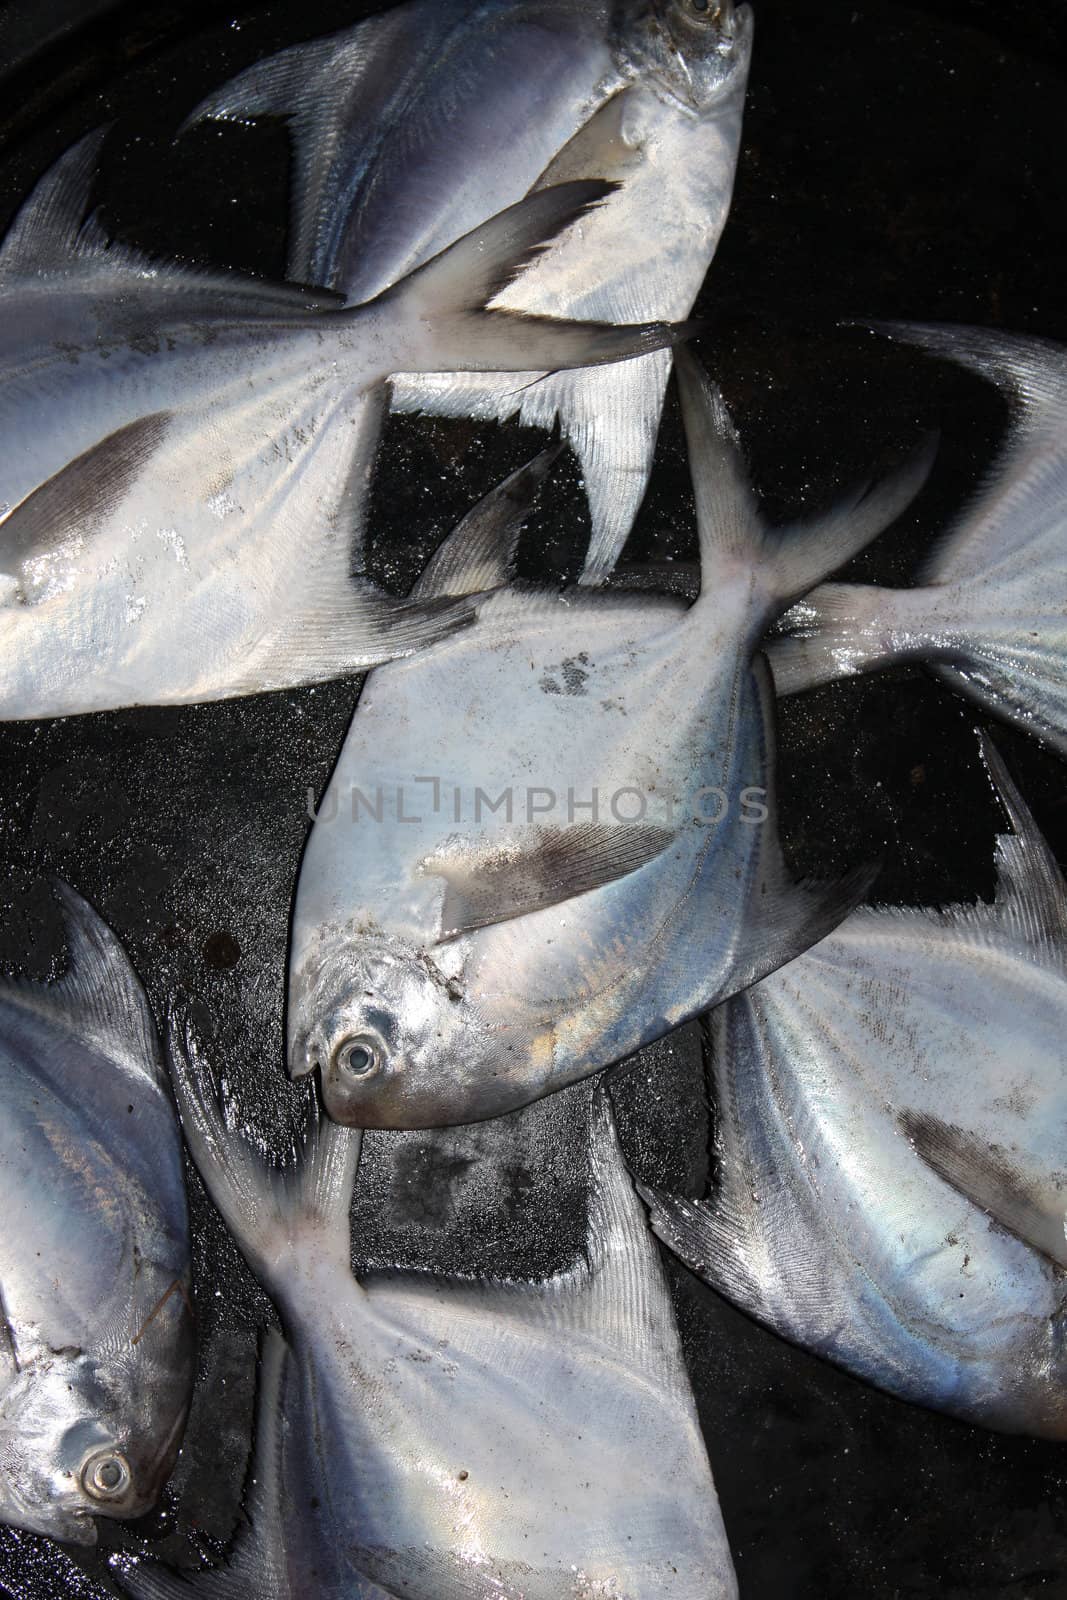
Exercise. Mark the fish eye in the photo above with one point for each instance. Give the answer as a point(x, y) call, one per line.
point(702, 10)
point(107, 1475)
point(357, 1057)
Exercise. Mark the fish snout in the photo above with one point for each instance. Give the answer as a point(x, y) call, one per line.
point(42, 1511)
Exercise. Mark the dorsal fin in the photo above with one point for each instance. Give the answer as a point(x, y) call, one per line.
point(479, 553)
point(99, 998)
point(47, 227)
point(1031, 895)
point(300, 85)
point(56, 227)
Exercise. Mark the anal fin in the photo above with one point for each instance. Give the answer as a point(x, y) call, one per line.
point(479, 553)
point(713, 1240)
point(45, 231)
point(783, 917)
point(351, 630)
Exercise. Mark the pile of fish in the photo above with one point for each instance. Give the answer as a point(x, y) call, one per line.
point(183, 499)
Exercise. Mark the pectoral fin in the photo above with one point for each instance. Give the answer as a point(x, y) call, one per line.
point(75, 502)
point(538, 868)
point(985, 1175)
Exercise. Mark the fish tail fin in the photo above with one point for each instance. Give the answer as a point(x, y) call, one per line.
point(837, 631)
point(275, 1213)
point(1028, 369)
point(733, 532)
point(256, 1565)
point(438, 318)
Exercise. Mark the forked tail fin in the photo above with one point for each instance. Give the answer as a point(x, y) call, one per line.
point(277, 1215)
point(438, 318)
point(734, 535)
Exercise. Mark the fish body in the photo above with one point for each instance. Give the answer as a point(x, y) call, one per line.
point(436, 1438)
point(177, 523)
point(891, 1121)
point(96, 1343)
point(989, 614)
point(417, 124)
point(602, 863)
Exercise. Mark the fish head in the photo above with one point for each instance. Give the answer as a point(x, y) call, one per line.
point(68, 1453)
point(698, 51)
point(394, 1038)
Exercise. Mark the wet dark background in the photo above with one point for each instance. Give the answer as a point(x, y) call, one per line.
point(899, 161)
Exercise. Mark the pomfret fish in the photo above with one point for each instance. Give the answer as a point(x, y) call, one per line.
point(436, 1439)
point(891, 1126)
point(176, 520)
point(990, 614)
point(549, 842)
point(414, 125)
point(96, 1341)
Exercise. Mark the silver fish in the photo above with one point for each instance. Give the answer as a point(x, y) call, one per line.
point(177, 523)
point(891, 1127)
point(414, 125)
point(96, 1336)
point(552, 839)
point(438, 1439)
point(989, 616)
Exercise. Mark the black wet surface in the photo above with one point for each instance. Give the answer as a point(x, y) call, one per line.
point(899, 161)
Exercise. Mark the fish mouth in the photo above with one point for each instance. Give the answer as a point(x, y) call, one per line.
point(79, 1528)
point(67, 1526)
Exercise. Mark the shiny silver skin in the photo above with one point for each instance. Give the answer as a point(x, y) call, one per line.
point(450, 962)
point(438, 1439)
point(417, 124)
point(413, 126)
point(891, 1127)
point(176, 519)
point(989, 616)
point(672, 138)
point(96, 1337)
